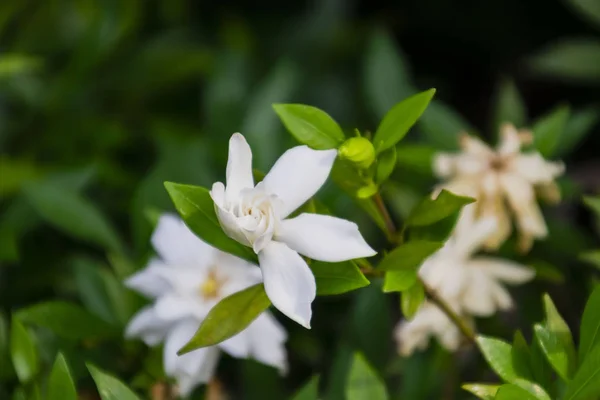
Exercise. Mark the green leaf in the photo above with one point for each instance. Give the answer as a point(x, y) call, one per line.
point(439, 231)
point(498, 355)
point(533, 388)
point(310, 391)
point(23, 352)
point(386, 162)
point(521, 356)
point(578, 126)
point(573, 60)
point(509, 107)
point(586, 382)
point(386, 74)
point(546, 271)
point(197, 209)
point(60, 383)
point(542, 371)
point(557, 326)
point(109, 387)
point(73, 214)
point(593, 203)
point(589, 9)
point(399, 281)
point(337, 278)
point(411, 299)
point(397, 122)
point(310, 126)
point(548, 130)
point(589, 336)
point(553, 349)
point(481, 390)
point(431, 210)
point(409, 256)
point(416, 157)
point(441, 126)
point(363, 382)
point(229, 317)
point(591, 257)
point(513, 392)
point(67, 320)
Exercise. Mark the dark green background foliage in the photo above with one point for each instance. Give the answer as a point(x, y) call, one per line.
point(102, 101)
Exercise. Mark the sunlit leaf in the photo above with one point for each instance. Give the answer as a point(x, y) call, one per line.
point(409, 256)
point(109, 387)
point(482, 390)
point(23, 352)
point(337, 278)
point(411, 299)
point(586, 382)
point(498, 354)
point(431, 210)
point(386, 162)
point(310, 126)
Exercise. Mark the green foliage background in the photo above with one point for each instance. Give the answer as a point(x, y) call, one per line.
point(102, 101)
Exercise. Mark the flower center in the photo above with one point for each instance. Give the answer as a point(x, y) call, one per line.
point(211, 287)
point(497, 163)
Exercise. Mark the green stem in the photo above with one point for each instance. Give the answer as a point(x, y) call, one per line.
point(387, 218)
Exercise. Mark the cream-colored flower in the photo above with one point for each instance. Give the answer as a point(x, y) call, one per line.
point(500, 178)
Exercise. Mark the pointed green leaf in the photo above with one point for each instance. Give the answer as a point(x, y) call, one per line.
point(60, 383)
point(431, 210)
point(521, 357)
point(585, 385)
point(363, 382)
point(510, 107)
point(572, 59)
point(409, 256)
point(513, 392)
point(310, 391)
point(559, 328)
point(498, 355)
point(548, 130)
point(554, 350)
point(386, 162)
point(337, 278)
point(109, 387)
point(310, 126)
point(23, 352)
point(591, 257)
point(399, 281)
point(481, 390)
point(229, 317)
point(542, 371)
point(589, 336)
point(398, 121)
point(197, 209)
point(578, 126)
point(411, 299)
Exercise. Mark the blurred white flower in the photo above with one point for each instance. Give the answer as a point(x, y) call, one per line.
point(500, 176)
point(256, 216)
point(186, 282)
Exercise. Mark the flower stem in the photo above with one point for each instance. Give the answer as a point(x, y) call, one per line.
point(387, 219)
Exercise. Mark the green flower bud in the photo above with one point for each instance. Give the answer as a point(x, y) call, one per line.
point(367, 191)
point(359, 151)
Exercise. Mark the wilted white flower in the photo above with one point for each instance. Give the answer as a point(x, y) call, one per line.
point(186, 282)
point(501, 176)
point(256, 216)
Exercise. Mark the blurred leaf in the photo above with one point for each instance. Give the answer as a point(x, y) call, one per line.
point(310, 391)
point(363, 382)
point(498, 355)
point(8, 245)
point(386, 75)
point(481, 390)
point(411, 299)
point(586, 382)
point(229, 317)
point(337, 278)
point(23, 352)
point(521, 356)
point(73, 214)
point(548, 129)
point(6, 368)
point(399, 281)
point(310, 126)
point(60, 383)
point(66, 319)
point(386, 162)
point(109, 387)
point(591, 257)
point(409, 256)
point(431, 210)
point(399, 119)
point(509, 106)
point(441, 126)
point(513, 392)
point(15, 173)
point(542, 371)
point(593, 203)
point(438, 231)
point(13, 64)
point(400, 198)
point(547, 272)
point(578, 126)
point(589, 333)
point(92, 288)
point(589, 9)
point(416, 157)
point(557, 326)
point(573, 59)
point(197, 209)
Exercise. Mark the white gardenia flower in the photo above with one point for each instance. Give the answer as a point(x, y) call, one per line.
point(185, 283)
point(500, 177)
point(257, 216)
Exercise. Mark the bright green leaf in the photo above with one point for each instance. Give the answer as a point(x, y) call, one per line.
point(197, 209)
point(520, 356)
point(438, 231)
point(310, 391)
point(399, 281)
point(509, 107)
point(337, 278)
point(397, 122)
point(589, 336)
point(60, 383)
point(363, 382)
point(573, 59)
point(109, 387)
point(554, 350)
point(73, 214)
point(557, 325)
point(585, 385)
point(23, 352)
point(533, 388)
point(411, 299)
point(229, 317)
point(542, 371)
point(310, 126)
point(513, 392)
point(67, 320)
point(386, 162)
point(548, 130)
point(481, 390)
point(431, 210)
point(498, 354)
point(409, 256)
point(441, 126)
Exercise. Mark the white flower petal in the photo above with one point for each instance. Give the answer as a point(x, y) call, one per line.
point(177, 245)
point(477, 297)
point(534, 169)
point(475, 146)
point(150, 281)
point(444, 165)
point(239, 167)
point(267, 341)
point(237, 346)
point(173, 307)
point(504, 270)
point(510, 141)
point(297, 175)
point(147, 326)
point(324, 238)
point(469, 241)
point(501, 296)
point(288, 281)
point(230, 224)
point(520, 196)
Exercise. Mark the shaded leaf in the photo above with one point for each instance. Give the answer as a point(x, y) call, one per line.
point(363, 382)
point(548, 130)
point(23, 352)
point(337, 278)
point(521, 356)
point(431, 210)
point(310, 391)
point(386, 162)
point(578, 126)
point(585, 384)
point(553, 349)
point(572, 59)
point(409, 256)
point(509, 107)
point(441, 126)
point(411, 299)
point(109, 387)
point(513, 392)
point(589, 335)
point(60, 383)
point(589, 9)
